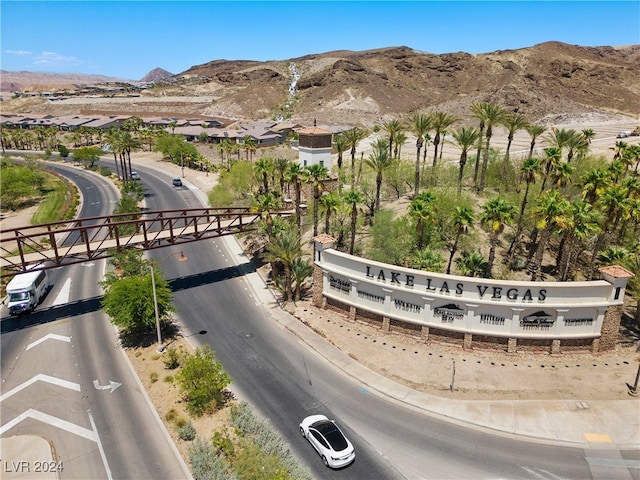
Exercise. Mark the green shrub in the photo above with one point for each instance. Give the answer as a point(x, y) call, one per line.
point(202, 381)
point(171, 415)
point(153, 377)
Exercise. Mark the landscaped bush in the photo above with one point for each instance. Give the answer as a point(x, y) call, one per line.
point(187, 432)
point(206, 465)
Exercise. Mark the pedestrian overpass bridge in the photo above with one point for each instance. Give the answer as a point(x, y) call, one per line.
point(51, 245)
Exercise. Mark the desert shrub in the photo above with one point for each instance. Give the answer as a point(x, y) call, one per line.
point(206, 465)
point(222, 443)
point(171, 359)
point(252, 462)
point(153, 377)
point(186, 432)
point(248, 425)
point(202, 381)
point(171, 415)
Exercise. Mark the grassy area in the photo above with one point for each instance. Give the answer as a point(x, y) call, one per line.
point(59, 202)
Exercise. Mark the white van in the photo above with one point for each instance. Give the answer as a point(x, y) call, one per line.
point(26, 290)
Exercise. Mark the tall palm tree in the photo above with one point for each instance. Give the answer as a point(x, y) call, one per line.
point(419, 124)
point(496, 214)
point(379, 161)
point(294, 175)
point(316, 175)
point(513, 122)
point(398, 141)
point(392, 128)
point(354, 136)
point(529, 170)
point(463, 218)
point(534, 132)
point(465, 138)
point(552, 158)
point(561, 176)
point(328, 204)
point(440, 122)
point(353, 198)
point(340, 145)
point(478, 111)
point(494, 115)
point(280, 166)
point(549, 211)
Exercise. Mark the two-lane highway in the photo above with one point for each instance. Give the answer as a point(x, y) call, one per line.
point(66, 379)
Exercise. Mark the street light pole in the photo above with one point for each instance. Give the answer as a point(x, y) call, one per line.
point(182, 258)
point(155, 308)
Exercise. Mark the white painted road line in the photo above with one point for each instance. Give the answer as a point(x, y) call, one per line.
point(63, 295)
point(50, 336)
point(53, 421)
point(41, 378)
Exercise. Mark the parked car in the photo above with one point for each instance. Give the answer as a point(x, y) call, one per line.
point(135, 176)
point(326, 437)
point(176, 182)
point(623, 135)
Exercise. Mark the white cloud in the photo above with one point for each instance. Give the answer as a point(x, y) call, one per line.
point(20, 53)
point(53, 59)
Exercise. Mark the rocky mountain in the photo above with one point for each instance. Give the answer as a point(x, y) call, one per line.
point(547, 79)
point(544, 82)
point(156, 75)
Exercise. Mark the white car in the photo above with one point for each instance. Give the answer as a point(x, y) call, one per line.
point(135, 176)
point(324, 435)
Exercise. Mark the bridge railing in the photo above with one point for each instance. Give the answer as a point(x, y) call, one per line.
point(50, 245)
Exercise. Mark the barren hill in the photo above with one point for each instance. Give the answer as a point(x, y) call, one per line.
point(548, 80)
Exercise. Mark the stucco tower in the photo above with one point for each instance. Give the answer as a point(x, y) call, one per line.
point(314, 147)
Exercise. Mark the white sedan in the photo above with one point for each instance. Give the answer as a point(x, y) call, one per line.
point(324, 435)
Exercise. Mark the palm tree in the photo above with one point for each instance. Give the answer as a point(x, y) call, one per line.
point(594, 183)
point(249, 146)
point(561, 176)
point(392, 128)
point(581, 223)
point(264, 204)
point(472, 264)
point(551, 207)
point(534, 132)
point(263, 168)
point(316, 175)
point(300, 270)
point(496, 213)
point(340, 145)
point(285, 248)
point(294, 175)
point(423, 210)
point(354, 136)
point(440, 122)
point(528, 172)
point(552, 158)
point(353, 198)
point(379, 161)
point(494, 115)
point(427, 259)
point(478, 111)
point(463, 219)
point(328, 204)
point(513, 122)
point(420, 124)
point(465, 138)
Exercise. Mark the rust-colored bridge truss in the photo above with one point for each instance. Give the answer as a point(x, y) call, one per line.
point(39, 247)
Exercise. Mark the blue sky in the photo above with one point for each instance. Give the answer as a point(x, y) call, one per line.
point(127, 39)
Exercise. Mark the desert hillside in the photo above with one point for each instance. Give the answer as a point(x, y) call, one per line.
point(545, 82)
